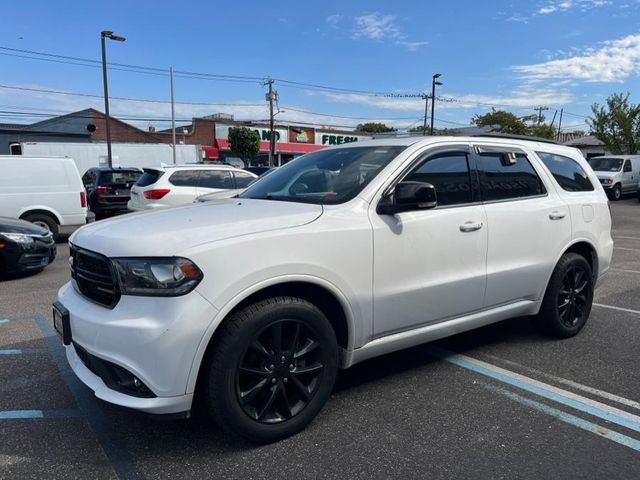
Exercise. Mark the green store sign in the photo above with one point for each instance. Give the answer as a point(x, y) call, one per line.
point(337, 139)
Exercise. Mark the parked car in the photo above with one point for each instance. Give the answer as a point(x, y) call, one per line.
point(46, 191)
point(618, 174)
point(168, 186)
point(109, 189)
point(209, 197)
point(339, 256)
point(24, 247)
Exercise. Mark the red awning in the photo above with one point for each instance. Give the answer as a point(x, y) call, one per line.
point(281, 147)
point(210, 153)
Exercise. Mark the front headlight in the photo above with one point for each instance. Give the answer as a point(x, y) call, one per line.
point(157, 276)
point(609, 181)
point(18, 238)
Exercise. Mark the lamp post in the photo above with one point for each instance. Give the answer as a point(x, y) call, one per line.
point(103, 36)
point(434, 82)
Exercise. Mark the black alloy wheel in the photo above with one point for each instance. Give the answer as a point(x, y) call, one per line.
point(572, 296)
point(280, 372)
point(567, 301)
point(270, 368)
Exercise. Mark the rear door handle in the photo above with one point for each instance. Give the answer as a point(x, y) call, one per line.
point(556, 215)
point(471, 226)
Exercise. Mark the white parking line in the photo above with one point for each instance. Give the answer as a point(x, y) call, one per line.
point(625, 238)
point(628, 310)
point(624, 271)
point(550, 392)
point(571, 383)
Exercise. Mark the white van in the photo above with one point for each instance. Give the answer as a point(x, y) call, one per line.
point(47, 191)
point(618, 174)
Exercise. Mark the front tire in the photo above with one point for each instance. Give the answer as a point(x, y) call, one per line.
point(271, 369)
point(567, 302)
point(616, 193)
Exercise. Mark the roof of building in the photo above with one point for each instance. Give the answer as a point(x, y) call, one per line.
point(585, 141)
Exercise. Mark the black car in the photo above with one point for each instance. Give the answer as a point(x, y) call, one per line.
point(24, 246)
point(109, 189)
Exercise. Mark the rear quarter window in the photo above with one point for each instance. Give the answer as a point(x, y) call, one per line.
point(500, 182)
point(567, 172)
point(149, 177)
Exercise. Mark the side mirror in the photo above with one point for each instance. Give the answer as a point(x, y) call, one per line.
point(408, 196)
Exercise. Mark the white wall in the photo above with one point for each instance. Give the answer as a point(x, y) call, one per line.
point(87, 155)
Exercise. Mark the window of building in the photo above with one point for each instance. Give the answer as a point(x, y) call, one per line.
point(500, 181)
point(449, 174)
point(567, 172)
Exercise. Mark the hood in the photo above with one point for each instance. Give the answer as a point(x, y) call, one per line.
point(605, 174)
point(11, 225)
point(168, 232)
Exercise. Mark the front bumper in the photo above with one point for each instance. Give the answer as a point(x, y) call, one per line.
point(28, 259)
point(153, 338)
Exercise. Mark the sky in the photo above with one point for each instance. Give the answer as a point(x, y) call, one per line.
point(334, 62)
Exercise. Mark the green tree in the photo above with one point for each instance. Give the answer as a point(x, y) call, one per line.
point(501, 121)
point(617, 124)
point(506, 122)
point(244, 143)
point(374, 127)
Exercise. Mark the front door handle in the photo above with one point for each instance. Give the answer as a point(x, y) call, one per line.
point(471, 226)
point(556, 215)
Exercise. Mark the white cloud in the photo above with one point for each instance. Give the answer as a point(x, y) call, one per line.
point(523, 98)
point(376, 27)
point(379, 27)
point(614, 61)
point(334, 20)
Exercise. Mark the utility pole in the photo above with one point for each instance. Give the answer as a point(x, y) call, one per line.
point(540, 109)
point(173, 116)
point(559, 125)
point(426, 109)
point(271, 96)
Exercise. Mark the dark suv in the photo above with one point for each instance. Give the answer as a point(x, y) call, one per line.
point(109, 189)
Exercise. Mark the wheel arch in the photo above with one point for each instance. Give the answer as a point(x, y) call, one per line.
point(40, 210)
point(323, 294)
point(588, 251)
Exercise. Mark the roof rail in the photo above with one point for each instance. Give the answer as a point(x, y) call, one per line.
point(515, 137)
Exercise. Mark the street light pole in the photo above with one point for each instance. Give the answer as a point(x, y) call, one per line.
point(434, 82)
point(103, 36)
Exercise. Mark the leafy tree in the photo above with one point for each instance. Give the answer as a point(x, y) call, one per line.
point(244, 143)
point(501, 121)
point(617, 124)
point(374, 127)
point(507, 122)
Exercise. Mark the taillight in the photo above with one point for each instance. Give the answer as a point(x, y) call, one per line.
point(156, 194)
point(83, 199)
point(102, 190)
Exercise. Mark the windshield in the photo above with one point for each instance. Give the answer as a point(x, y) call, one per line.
point(603, 164)
point(325, 177)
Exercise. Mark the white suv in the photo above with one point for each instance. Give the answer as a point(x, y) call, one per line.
point(339, 256)
point(168, 186)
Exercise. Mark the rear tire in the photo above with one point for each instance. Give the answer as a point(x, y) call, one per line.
point(271, 369)
point(44, 221)
point(567, 301)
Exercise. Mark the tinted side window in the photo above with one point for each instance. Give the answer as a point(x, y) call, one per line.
point(627, 166)
point(567, 172)
point(149, 177)
point(184, 178)
point(243, 179)
point(215, 179)
point(87, 178)
point(449, 173)
point(503, 182)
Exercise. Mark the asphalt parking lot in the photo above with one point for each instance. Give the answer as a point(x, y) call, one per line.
point(499, 402)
